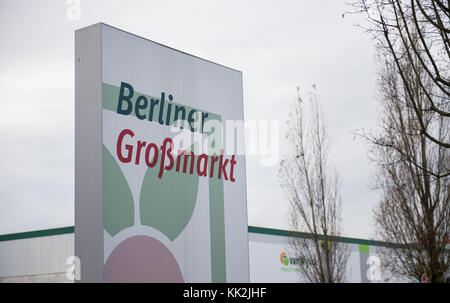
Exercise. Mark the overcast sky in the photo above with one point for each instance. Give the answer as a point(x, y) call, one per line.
point(278, 45)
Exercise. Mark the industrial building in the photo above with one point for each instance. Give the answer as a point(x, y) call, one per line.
point(45, 256)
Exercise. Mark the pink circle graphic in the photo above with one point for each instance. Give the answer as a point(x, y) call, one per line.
point(142, 259)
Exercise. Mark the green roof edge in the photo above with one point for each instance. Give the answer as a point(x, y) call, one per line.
point(38, 233)
point(251, 229)
point(287, 233)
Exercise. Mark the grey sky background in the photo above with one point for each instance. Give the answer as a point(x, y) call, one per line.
point(278, 45)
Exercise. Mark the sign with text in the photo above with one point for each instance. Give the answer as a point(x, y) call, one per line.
point(156, 197)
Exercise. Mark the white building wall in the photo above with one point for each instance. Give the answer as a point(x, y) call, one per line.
point(265, 260)
point(40, 259)
point(44, 259)
point(266, 267)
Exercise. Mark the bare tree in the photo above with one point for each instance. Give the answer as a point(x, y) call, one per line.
point(312, 188)
point(416, 31)
point(412, 148)
point(415, 209)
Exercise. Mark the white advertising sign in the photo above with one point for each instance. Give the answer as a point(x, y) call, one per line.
point(157, 199)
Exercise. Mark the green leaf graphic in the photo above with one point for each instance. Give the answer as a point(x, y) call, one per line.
point(118, 205)
point(167, 204)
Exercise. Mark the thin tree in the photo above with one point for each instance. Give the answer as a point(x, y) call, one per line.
point(311, 185)
point(416, 31)
point(414, 212)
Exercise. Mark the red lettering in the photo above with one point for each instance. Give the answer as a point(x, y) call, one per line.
point(140, 145)
point(163, 155)
point(223, 167)
point(128, 147)
point(155, 155)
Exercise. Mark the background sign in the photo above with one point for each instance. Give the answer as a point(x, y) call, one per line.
point(157, 199)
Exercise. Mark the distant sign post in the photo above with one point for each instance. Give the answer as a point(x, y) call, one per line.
point(156, 197)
